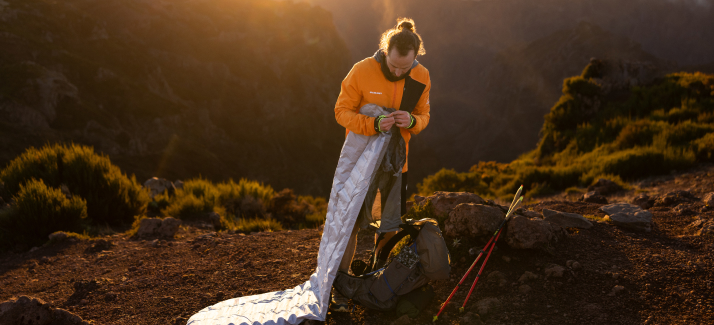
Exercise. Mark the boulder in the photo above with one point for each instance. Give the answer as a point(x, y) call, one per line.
point(148, 227)
point(469, 219)
point(700, 227)
point(525, 233)
point(215, 219)
point(27, 310)
point(566, 220)
point(628, 216)
point(155, 227)
point(605, 187)
point(709, 199)
point(593, 197)
point(157, 186)
point(674, 198)
point(530, 214)
point(178, 184)
point(444, 202)
point(643, 201)
point(169, 227)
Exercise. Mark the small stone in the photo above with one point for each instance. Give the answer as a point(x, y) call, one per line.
point(576, 266)
point(593, 197)
point(524, 289)
point(111, 296)
point(527, 276)
point(615, 290)
point(615, 276)
point(506, 259)
point(573, 264)
point(554, 271)
point(168, 299)
point(486, 305)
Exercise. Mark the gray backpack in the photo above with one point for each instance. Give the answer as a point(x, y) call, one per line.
point(425, 257)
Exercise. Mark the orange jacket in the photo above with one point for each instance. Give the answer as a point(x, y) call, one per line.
point(365, 84)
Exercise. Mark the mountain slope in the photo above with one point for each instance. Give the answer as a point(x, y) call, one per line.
point(228, 88)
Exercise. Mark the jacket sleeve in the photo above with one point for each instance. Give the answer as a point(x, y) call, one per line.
point(421, 111)
point(347, 110)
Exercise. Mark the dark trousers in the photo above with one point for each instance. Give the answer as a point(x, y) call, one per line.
point(404, 193)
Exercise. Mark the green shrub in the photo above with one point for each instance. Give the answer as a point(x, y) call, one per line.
point(112, 198)
point(39, 211)
point(189, 207)
point(682, 134)
point(649, 131)
point(319, 204)
point(581, 86)
point(638, 133)
point(450, 180)
point(246, 199)
point(539, 190)
point(253, 225)
point(705, 148)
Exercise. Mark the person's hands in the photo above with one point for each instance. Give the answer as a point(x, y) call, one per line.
point(386, 123)
point(401, 118)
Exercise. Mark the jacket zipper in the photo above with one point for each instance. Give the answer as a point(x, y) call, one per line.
point(394, 95)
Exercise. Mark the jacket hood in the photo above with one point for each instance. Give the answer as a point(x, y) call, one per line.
point(380, 57)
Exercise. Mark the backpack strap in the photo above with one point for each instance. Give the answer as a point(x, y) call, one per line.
point(412, 92)
point(407, 229)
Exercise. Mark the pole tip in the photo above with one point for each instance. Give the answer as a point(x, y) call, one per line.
point(435, 318)
point(461, 310)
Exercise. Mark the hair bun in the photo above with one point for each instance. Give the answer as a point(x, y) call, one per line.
point(406, 25)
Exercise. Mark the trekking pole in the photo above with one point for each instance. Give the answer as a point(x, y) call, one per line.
point(516, 201)
point(497, 234)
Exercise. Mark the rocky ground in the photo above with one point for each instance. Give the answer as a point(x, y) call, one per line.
point(665, 276)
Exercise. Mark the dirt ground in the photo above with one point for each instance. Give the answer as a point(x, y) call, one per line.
point(667, 277)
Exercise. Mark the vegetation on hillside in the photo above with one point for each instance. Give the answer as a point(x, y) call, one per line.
point(72, 188)
point(590, 133)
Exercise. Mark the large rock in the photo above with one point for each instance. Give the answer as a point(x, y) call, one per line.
point(169, 227)
point(709, 199)
point(32, 311)
point(628, 216)
point(155, 227)
point(157, 186)
point(593, 197)
point(700, 227)
point(605, 187)
point(566, 220)
point(444, 202)
point(525, 233)
point(469, 219)
point(643, 201)
point(148, 227)
point(674, 198)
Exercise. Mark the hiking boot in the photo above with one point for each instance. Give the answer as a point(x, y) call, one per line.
point(339, 303)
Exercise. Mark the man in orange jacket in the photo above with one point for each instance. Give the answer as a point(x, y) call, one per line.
point(382, 80)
